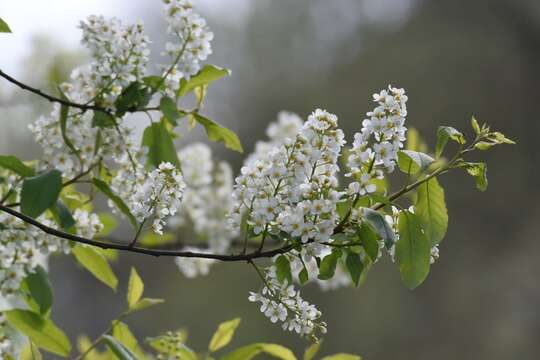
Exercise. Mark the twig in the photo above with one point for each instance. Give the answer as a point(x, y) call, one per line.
point(142, 250)
point(51, 98)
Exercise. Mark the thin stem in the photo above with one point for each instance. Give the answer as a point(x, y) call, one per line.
point(175, 62)
point(100, 337)
point(6, 196)
point(137, 234)
point(79, 176)
point(152, 206)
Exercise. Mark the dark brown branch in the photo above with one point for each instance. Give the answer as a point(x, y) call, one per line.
point(141, 250)
point(51, 98)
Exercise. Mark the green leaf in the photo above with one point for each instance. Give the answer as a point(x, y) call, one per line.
point(135, 288)
point(170, 111)
point(311, 351)
point(342, 356)
point(64, 111)
point(185, 353)
point(162, 343)
point(41, 331)
point(102, 119)
point(96, 263)
point(475, 125)
point(381, 226)
point(431, 210)
point(355, 266)
point(414, 141)
point(106, 190)
point(153, 81)
point(39, 291)
point(133, 97)
point(40, 192)
point(443, 134)
point(200, 94)
point(17, 166)
point(411, 162)
point(413, 250)
point(160, 145)
point(342, 209)
point(121, 352)
point(223, 334)
point(483, 145)
point(30, 352)
point(4, 27)
point(208, 74)
point(283, 269)
point(122, 333)
point(219, 133)
point(369, 240)
point(328, 266)
point(479, 172)
point(278, 351)
point(63, 216)
point(248, 352)
point(145, 303)
point(303, 276)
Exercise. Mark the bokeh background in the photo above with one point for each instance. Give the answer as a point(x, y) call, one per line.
point(455, 58)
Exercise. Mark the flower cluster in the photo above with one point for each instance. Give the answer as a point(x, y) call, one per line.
point(120, 55)
point(23, 248)
point(385, 125)
point(282, 302)
point(294, 189)
point(158, 195)
point(87, 224)
point(119, 58)
point(193, 45)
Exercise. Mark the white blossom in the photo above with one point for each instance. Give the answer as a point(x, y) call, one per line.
point(192, 42)
point(159, 196)
point(376, 146)
point(293, 188)
point(282, 302)
point(120, 54)
point(23, 248)
point(87, 224)
point(8, 339)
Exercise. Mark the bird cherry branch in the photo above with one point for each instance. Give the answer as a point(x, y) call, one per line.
point(228, 257)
